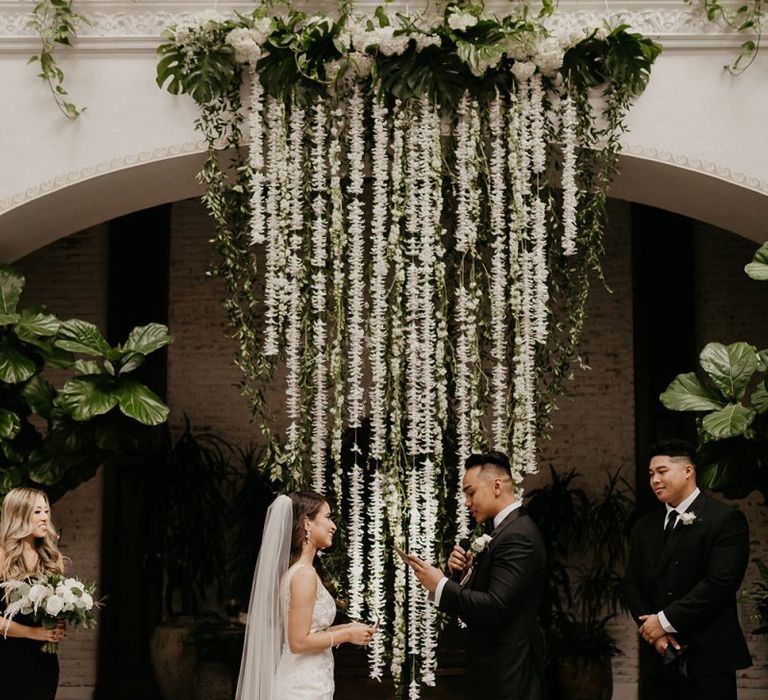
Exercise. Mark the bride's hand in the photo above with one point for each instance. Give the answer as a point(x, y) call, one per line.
point(359, 633)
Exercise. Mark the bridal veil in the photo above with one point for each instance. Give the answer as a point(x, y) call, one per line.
point(264, 631)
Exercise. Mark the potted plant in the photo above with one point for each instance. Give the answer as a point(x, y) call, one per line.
point(186, 547)
point(586, 540)
point(211, 499)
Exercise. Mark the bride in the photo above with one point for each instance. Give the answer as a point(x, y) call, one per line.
point(288, 637)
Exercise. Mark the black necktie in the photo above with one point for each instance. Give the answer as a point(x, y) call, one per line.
point(670, 526)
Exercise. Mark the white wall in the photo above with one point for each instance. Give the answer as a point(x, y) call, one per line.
point(694, 145)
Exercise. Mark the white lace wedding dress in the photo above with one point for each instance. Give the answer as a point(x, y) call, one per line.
point(306, 676)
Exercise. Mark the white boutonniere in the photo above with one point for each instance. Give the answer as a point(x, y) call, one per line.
point(480, 544)
point(688, 518)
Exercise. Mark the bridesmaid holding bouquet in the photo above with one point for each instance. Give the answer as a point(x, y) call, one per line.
point(28, 549)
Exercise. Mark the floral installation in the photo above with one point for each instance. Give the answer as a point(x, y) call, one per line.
point(424, 283)
point(688, 518)
point(51, 599)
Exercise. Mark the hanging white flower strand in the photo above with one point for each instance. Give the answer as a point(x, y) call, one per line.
point(570, 192)
point(319, 282)
point(275, 240)
point(413, 365)
point(377, 565)
point(377, 346)
point(522, 294)
point(295, 267)
point(396, 506)
point(356, 531)
point(538, 117)
point(467, 212)
point(338, 249)
point(356, 343)
point(256, 154)
point(378, 360)
point(430, 206)
point(356, 237)
point(499, 274)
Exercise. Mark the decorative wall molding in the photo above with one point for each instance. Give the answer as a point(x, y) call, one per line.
point(104, 167)
point(696, 164)
point(97, 169)
point(675, 24)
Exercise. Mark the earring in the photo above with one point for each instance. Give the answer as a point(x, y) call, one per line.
point(307, 534)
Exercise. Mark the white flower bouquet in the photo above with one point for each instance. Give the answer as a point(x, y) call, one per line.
point(51, 599)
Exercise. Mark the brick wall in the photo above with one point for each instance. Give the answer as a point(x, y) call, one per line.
point(202, 378)
point(70, 277)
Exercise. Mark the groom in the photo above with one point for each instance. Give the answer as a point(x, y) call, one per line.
point(495, 587)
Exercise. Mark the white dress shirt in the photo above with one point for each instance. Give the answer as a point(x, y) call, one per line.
point(680, 508)
point(497, 520)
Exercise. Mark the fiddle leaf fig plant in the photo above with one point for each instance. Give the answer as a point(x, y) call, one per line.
point(58, 437)
point(730, 396)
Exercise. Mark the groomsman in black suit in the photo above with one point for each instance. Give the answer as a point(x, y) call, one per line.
point(686, 562)
point(496, 589)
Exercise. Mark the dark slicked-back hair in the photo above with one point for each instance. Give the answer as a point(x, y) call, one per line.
point(482, 459)
point(673, 448)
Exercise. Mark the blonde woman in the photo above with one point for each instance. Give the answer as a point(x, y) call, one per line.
point(28, 548)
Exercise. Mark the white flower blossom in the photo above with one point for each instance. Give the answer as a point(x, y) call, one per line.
point(242, 40)
point(549, 56)
point(53, 605)
point(461, 21)
point(425, 40)
point(480, 544)
point(523, 70)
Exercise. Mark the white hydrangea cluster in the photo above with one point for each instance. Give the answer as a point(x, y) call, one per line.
point(549, 56)
point(247, 50)
point(248, 41)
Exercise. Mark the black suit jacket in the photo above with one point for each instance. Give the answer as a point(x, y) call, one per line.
point(499, 605)
point(693, 578)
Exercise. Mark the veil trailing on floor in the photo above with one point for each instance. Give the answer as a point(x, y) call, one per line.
point(264, 631)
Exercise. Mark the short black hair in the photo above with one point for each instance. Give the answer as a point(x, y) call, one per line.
point(494, 458)
point(673, 447)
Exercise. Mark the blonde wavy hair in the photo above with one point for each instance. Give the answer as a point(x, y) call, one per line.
point(15, 525)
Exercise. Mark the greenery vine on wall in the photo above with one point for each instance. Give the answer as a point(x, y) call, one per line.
point(56, 24)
